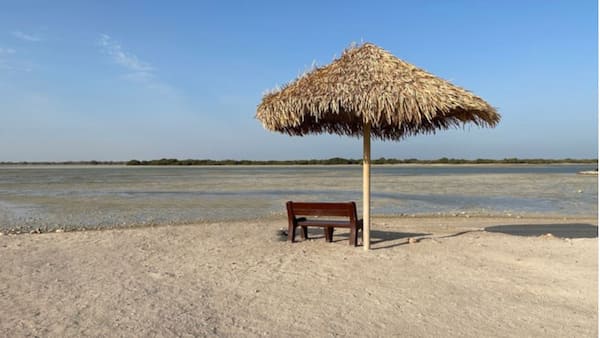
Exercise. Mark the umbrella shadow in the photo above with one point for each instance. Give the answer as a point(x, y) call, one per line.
point(378, 237)
point(460, 233)
point(566, 230)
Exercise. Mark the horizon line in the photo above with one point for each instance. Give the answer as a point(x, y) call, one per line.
point(332, 160)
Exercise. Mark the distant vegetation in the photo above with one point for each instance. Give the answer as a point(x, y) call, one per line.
point(331, 161)
point(339, 160)
point(66, 163)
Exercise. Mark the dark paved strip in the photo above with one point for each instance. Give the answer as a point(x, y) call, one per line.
point(568, 230)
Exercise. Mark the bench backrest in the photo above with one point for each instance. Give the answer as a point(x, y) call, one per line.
point(345, 209)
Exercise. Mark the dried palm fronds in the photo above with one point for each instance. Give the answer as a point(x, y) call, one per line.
point(370, 85)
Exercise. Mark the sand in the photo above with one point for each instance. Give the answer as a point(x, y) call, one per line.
point(240, 279)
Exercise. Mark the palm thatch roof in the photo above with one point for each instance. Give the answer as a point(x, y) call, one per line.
point(369, 84)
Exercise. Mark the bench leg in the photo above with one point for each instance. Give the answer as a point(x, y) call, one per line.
point(354, 236)
point(328, 234)
point(304, 232)
point(291, 233)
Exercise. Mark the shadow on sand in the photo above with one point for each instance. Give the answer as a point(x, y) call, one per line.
point(377, 236)
point(570, 230)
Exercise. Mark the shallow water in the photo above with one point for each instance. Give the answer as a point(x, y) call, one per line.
point(101, 197)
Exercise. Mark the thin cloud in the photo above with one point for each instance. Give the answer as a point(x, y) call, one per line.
point(8, 61)
point(128, 60)
point(137, 71)
point(7, 51)
point(26, 37)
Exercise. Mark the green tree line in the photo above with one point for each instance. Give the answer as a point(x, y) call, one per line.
point(340, 160)
point(330, 161)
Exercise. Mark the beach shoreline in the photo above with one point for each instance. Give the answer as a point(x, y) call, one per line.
point(242, 278)
point(281, 217)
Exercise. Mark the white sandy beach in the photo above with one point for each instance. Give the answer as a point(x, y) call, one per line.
point(240, 279)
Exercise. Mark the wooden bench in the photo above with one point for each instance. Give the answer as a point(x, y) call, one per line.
point(309, 209)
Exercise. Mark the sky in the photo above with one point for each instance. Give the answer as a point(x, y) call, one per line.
point(121, 80)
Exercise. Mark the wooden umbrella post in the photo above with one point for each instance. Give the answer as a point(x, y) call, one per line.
point(367, 186)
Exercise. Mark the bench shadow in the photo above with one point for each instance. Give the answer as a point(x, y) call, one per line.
point(315, 233)
point(566, 230)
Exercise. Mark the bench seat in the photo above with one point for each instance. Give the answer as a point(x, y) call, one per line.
point(325, 222)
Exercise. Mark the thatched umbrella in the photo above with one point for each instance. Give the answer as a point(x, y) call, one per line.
point(369, 92)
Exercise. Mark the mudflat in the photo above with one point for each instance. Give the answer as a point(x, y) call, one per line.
point(426, 276)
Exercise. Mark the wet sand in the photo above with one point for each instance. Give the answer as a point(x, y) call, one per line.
point(241, 279)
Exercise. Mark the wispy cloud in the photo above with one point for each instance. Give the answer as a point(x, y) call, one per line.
point(4, 54)
point(7, 51)
point(9, 61)
point(137, 71)
point(137, 68)
point(26, 37)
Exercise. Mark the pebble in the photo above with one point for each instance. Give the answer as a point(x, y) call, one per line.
point(412, 240)
point(59, 230)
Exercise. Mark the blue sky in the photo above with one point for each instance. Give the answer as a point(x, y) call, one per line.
point(110, 80)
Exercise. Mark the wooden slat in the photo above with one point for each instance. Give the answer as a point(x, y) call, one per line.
point(323, 209)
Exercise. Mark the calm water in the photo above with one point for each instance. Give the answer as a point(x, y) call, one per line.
point(97, 197)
